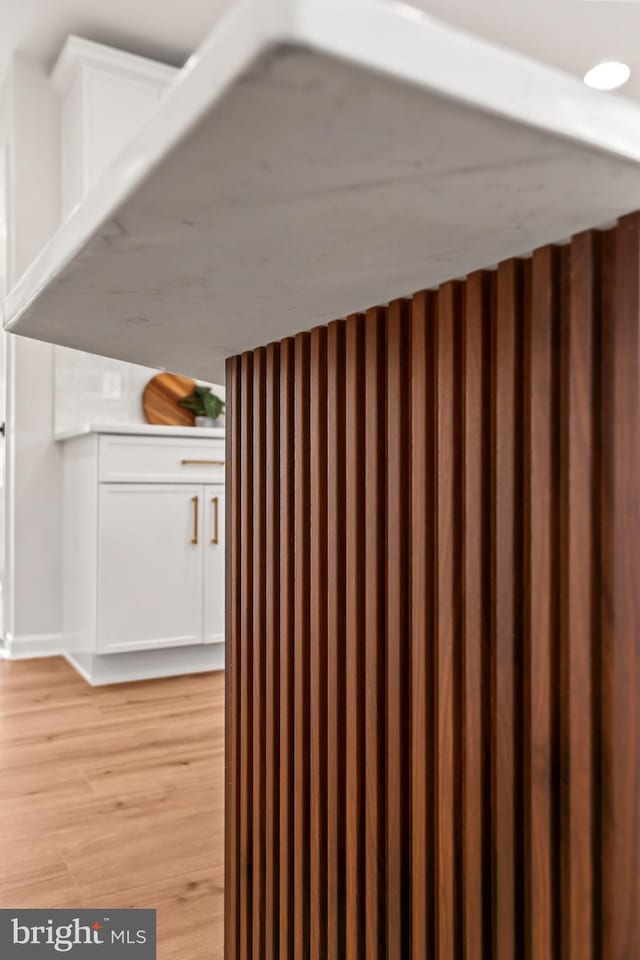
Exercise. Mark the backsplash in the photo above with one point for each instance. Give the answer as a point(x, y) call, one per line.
point(92, 389)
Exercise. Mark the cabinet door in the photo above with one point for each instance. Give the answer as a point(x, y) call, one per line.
point(214, 578)
point(150, 565)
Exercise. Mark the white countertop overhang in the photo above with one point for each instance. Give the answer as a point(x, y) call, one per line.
point(316, 157)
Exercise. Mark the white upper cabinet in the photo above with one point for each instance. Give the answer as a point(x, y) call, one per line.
point(106, 95)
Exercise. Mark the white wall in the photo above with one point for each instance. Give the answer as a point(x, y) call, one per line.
point(50, 387)
point(33, 588)
point(91, 389)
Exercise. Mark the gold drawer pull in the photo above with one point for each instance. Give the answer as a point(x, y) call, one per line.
point(214, 538)
point(202, 463)
point(194, 501)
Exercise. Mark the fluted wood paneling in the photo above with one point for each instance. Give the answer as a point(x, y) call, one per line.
point(433, 676)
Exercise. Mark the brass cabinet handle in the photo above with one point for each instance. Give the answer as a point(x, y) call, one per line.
point(202, 463)
point(214, 538)
point(194, 501)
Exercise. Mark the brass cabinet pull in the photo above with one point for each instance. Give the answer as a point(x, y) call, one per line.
point(202, 463)
point(194, 501)
point(214, 538)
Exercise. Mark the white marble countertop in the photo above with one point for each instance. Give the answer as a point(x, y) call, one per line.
point(315, 157)
point(143, 430)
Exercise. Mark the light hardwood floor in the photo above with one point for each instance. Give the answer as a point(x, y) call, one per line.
point(114, 797)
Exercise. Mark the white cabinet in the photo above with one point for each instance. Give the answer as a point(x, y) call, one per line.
point(214, 574)
point(150, 566)
point(143, 558)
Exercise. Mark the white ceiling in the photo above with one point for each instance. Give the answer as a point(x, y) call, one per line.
point(571, 34)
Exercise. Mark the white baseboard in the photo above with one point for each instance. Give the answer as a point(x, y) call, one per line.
point(102, 669)
point(32, 645)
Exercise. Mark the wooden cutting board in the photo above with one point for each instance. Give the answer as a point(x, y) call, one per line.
point(160, 400)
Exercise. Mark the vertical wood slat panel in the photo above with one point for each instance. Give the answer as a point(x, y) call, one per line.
point(258, 623)
point(620, 856)
point(541, 893)
point(336, 612)
point(505, 564)
point(422, 624)
point(354, 661)
point(246, 660)
point(603, 568)
point(398, 689)
point(448, 618)
point(375, 612)
point(578, 418)
point(301, 739)
point(286, 598)
point(435, 511)
point(318, 642)
point(272, 648)
point(475, 335)
point(233, 598)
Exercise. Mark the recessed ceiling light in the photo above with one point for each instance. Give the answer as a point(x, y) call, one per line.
point(608, 75)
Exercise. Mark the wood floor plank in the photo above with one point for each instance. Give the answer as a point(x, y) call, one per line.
point(104, 825)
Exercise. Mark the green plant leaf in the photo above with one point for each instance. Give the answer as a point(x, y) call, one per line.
point(203, 403)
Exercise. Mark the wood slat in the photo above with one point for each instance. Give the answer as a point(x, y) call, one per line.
point(446, 668)
point(398, 681)
point(301, 586)
point(506, 571)
point(541, 394)
point(422, 624)
point(246, 660)
point(318, 642)
point(580, 335)
point(374, 639)
point(233, 654)
point(475, 343)
point(258, 625)
point(286, 598)
point(355, 481)
point(336, 614)
point(272, 651)
point(620, 610)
